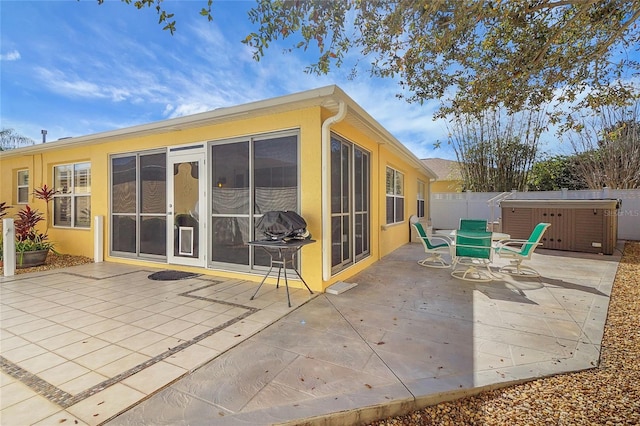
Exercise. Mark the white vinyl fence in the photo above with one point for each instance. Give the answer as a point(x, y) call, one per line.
point(447, 208)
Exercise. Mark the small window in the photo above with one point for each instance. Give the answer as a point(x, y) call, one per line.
point(395, 196)
point(72, 201)
point(23, 186)
point(421, 195)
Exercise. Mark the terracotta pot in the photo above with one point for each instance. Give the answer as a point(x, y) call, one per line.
point(31, 258)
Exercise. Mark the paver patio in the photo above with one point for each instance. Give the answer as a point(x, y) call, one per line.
point(101, 343)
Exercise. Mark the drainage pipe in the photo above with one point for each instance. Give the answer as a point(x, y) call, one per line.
point(326, 188)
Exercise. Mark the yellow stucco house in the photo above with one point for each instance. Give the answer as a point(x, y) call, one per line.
point(186, 193)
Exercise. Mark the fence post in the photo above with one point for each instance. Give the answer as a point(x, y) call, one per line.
point(8, 247)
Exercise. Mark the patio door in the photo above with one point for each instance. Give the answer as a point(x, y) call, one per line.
point(186, 214)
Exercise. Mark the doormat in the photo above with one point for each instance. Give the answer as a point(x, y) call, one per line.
point(171, 275)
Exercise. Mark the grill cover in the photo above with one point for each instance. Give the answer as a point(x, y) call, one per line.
point(282, 225)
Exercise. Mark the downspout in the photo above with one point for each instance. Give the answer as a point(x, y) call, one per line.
point(326, 212)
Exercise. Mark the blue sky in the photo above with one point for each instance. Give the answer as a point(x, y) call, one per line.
point(77, 68)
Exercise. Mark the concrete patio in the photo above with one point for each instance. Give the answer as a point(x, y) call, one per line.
point(103, 344)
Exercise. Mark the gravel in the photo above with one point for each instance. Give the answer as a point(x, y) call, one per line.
point(608, 394)
point(54, 261)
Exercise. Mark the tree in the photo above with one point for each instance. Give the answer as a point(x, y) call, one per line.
point(472, 55)
point(9, 139)
point(555, 173)
point(607, 147)
point(496, 150)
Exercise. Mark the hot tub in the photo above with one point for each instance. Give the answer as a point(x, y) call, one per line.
point(589, 226)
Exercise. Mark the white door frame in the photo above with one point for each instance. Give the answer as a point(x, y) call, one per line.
point(183, 248)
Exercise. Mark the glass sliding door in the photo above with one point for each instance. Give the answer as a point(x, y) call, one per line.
point(275, 170)
point(350, 195)
point(248, 178)
point(361, 203)
point(341, 238)
point(153, 204)
point(230, 205)
point(138, 205)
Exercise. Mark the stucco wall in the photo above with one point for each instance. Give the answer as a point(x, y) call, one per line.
point(307, 121)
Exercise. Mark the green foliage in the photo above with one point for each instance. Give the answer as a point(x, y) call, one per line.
point(607, 148)
point(28, 237)
point(555, 173)
point(496, 150)
point(488, 54)
point(165, 18)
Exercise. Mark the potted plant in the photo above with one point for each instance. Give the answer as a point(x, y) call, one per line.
point(32, 246)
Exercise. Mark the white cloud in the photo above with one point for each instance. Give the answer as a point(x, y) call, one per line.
point(14, 55)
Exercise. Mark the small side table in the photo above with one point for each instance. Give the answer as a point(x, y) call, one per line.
point(281, 253)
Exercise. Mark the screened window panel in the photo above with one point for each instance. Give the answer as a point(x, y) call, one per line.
point(62, 211)
point(390, 210)
point(346, 238)
point(123, 234)
point(359, 240)
point(82, 178)
point(153, 183)
point(23, 187)
point(62, 179)
point(23, 178)
point(230, 178)
point(275, 167)
point(123, 184)
point(346, 179)
point(153, 236)
point(336, 176)
point(23, 195)
point(399, 207)
point(399, 183)
point(229, 235)
point(82, 212)
point(336, 241)
point(390, 181)
point(358, 181)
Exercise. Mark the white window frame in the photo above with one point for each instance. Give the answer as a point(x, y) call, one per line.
point(19, 187)
point(395, 193)
point(72, 193)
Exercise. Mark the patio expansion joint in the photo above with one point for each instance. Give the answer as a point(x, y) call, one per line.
point(373, 349)
point(66, 400)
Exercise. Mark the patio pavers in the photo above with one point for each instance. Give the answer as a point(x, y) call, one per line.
point(198, 351)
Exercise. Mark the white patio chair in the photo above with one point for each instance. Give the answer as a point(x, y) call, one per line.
point(520, 250)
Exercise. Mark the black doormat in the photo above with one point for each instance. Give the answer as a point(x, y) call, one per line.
point(171, 275)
